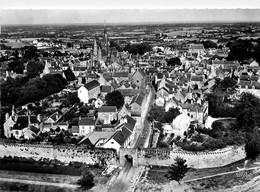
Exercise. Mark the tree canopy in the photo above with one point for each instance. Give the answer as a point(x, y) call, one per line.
point(115, 44)
point(138, 48)
point(174, 61)
point(16, 66)
point(69, 74)
point(178, 170)
point(87, 178)
point(209, 44)
point(158, 114)
point(34, 68)
point(248, 111)
point(243, 50)
point(115, 98)
point(20, 91)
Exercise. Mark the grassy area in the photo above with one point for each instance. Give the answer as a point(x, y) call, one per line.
point(46, 166)
point(157, 174)
point(221, 183)
point(52, 178)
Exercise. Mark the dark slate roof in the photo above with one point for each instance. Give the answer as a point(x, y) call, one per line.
point(121, 74)
point(129, 92)
point(121, 135)
point(21, 123)
point(197, 78)
point(33, 119)
point(93, 137)
point(86, 121)
point(34, 129)
point(106, 89)
point(114, 84)
point(107, 109)
point(92, 84)
point(22, 112)
point(138, 99)
point(107, 76)
point(54, 116)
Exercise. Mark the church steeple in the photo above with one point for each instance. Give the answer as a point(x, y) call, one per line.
point(95, 50)
point(105, 39)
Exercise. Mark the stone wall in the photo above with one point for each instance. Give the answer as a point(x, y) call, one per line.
point(165, 157)
point(197, 160)
point(62, 153)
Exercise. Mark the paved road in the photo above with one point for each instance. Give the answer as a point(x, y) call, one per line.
point(124, 179)
point(145, 132)
point(128, 174)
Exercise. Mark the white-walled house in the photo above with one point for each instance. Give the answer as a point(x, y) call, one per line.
point(121, 138)
point(107, 114)
point(86, 125)
point(90, 90)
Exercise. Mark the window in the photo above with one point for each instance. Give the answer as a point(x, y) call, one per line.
point(17, 132)
point(112, 142)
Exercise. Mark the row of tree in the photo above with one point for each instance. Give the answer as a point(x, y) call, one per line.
point(25, 90)
point(158, 114)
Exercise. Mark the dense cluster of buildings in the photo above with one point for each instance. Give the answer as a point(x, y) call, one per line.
point(101, 69)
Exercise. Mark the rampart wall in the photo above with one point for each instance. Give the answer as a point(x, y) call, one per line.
point(62, 153)
point(165, 157)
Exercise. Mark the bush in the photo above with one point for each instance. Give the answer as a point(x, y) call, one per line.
point(213, 144)
point(87, 180)
point(198, 138)
point(178, 170)
point(163, 145)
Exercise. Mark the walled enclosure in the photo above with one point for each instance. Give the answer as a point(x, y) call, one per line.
point(163, 157)
point(65, 154)
point(199, 160)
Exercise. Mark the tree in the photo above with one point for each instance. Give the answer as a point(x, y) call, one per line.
point(87, 179)
point(252, 146)
point(115, 98)
point(178, 170)
point(174, 61)
point(248, 112)
point(138, 48)
point(30, 52)
point(34, 68)
point(209, 44)
point(170, 115)
point(156, 114)
point(69, 75)
point(72, 98)
point(226, 87)
point(240, 50)
point(16, 66)
point(114, 44)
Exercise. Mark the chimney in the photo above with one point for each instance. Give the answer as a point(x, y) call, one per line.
point(6, 116)
point(39, 117)
point(13, 112)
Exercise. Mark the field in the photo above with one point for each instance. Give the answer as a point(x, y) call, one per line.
point(155, 180)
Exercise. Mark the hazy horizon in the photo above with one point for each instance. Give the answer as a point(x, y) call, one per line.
point(127, 16)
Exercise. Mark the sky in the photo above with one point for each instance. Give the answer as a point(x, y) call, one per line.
point(120, 11)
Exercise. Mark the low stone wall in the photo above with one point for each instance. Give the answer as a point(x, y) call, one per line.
point(62, 153)
point(199, 160)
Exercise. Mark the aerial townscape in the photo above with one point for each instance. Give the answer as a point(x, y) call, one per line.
point(130, 107)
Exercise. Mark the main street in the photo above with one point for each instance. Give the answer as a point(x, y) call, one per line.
point(126, 179)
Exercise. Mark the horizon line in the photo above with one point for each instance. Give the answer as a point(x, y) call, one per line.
point(237, 8)
point(142, 23)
